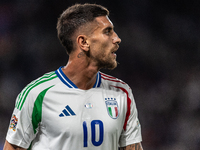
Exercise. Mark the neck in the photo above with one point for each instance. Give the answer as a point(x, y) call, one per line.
point(81, 72)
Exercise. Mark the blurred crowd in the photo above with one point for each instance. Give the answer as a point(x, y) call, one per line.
point(159, 57)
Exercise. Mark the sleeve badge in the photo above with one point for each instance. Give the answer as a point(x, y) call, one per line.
point(13, 123)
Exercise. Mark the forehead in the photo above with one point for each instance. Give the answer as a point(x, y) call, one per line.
point(103, 21)
point(100, 23)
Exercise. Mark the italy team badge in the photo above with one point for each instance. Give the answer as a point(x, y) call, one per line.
point(13, 123)
point(112, 107)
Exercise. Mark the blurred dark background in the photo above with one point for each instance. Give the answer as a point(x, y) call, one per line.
point(159, 58)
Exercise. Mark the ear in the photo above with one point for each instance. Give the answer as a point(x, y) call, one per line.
point(82, 42)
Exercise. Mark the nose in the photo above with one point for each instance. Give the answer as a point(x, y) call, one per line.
point(116, 39)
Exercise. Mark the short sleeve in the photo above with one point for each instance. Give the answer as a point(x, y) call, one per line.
point(132, 131)
point(20, 131)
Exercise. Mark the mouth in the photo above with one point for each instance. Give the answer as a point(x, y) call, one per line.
point(114, 50)
point(114, 54)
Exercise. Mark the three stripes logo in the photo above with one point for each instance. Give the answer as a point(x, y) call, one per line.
point(67, 112)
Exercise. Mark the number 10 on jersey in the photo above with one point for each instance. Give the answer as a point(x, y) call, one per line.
point(94, 124)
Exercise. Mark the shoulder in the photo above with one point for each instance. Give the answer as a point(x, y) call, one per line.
point(42, 82)
point(110, 81)
point(33, 89)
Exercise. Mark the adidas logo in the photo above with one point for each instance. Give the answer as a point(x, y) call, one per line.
point(67, 112)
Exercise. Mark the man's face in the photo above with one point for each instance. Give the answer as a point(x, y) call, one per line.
point(103, 43)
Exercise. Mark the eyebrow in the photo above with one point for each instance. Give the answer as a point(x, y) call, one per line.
point(109, 28)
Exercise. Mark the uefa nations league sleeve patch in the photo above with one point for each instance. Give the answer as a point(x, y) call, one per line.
point(13, 122)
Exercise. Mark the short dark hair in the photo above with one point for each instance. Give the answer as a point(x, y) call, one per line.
point(73, 18)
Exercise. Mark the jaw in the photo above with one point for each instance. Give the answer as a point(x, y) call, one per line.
point(108, 63)
point(104, 59)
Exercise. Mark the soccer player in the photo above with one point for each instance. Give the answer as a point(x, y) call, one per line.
point(77, 107)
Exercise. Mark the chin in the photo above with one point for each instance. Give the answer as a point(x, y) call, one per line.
point(107, 64)
point(111, 66)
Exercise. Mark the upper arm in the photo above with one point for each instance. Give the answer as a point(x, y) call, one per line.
point(8, 146)
point(136, 146)
point(21, 131)
point(132, 131)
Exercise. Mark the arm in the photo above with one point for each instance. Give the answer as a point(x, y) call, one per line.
point(9, 146)
point(137, 146)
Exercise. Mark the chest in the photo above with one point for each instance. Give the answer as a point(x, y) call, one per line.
point(82, 114)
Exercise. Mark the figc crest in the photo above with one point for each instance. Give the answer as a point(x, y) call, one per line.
point(112, 107)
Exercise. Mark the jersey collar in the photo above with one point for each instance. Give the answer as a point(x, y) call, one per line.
point(70, 84)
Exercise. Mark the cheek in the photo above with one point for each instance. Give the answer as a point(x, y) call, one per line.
point(106, 46)
point(101, 47)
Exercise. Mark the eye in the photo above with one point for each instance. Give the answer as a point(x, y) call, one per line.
point(108, 31)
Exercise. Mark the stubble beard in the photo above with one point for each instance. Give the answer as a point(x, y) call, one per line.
point(104, 60)
point(108, 63)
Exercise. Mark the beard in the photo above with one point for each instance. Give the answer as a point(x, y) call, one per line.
point(107, 63)
point(104, 59)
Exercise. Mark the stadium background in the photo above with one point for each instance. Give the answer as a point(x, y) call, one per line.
point(159, 58)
